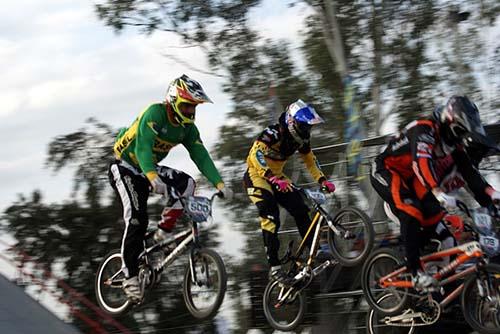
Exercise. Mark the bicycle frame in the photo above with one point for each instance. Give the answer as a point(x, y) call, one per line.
point(316, 223)
point(316, 226)
point(465, 253)
point(183, 238)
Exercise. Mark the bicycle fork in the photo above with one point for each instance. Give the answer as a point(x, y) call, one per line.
point(339, 230)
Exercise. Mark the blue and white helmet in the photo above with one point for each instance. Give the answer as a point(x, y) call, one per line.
point(300, 117)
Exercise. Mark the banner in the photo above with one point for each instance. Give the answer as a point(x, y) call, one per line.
point(354, 131)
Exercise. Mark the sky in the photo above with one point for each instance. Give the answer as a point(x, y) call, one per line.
point(60, 66)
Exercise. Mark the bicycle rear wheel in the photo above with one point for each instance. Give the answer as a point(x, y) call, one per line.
point(481, 300)
point(204, 290)
point(288, 314)
point(381, 263)
point(351, 251)
point(108, 285)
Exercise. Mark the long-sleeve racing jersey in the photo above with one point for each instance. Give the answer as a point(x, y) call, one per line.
point(151, 137)
point(271, 150)
point(420, 152)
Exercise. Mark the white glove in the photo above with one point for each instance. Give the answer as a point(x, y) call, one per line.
point(159, 187)
point(446, 200)
point(227, 193)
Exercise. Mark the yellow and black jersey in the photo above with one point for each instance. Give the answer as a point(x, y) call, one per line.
point(271, 150)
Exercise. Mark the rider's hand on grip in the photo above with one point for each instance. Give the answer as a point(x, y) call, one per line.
point(281, 185)
point(159, 187)
point(225, 193)
point(327, 186)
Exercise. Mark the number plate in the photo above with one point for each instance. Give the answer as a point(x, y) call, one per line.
point(198, 208)
point(489, 244)
point(316, 196)
point(483, 223)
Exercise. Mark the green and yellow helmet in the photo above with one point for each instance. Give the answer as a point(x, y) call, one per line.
point(185, 90)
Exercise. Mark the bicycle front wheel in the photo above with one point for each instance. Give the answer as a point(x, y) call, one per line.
point(108, 285)
point(205, 287)
point(354, 249)
point(284, 307)
point(481, 300)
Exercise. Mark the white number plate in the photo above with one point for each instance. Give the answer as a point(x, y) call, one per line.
point(198, 208)
point(483, 222)
point(316, 196)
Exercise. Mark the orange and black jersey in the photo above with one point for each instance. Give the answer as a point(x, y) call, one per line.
point(413, 151)
point(420, 151)
point(271, 150)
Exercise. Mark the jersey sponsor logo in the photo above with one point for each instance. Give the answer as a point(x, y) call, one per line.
point(426, 138)
point(400, 143)
point(260, 158)
point(123, 143)
point(254, 192)
point(162, 145)
point(424, 150)
point(270, 135)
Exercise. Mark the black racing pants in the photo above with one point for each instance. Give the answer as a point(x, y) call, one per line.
point(266, 198)
point(418, 215)
point(133, 188)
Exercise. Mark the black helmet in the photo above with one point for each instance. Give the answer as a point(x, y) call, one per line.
point(458, 118)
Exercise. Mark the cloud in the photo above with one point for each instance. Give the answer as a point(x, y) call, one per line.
point(62, 66)
point(277, 20)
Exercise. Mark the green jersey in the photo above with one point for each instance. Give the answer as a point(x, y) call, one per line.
point(152, 135)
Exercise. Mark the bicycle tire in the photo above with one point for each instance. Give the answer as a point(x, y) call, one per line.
point(472, 303)
point(369, 276)
point(122, 304)
point(268, 304)
point(220, 285)
point(337, 244)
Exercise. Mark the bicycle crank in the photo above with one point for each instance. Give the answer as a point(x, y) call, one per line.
point(410, 318)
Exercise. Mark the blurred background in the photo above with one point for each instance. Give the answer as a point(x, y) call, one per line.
point(74, 72)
